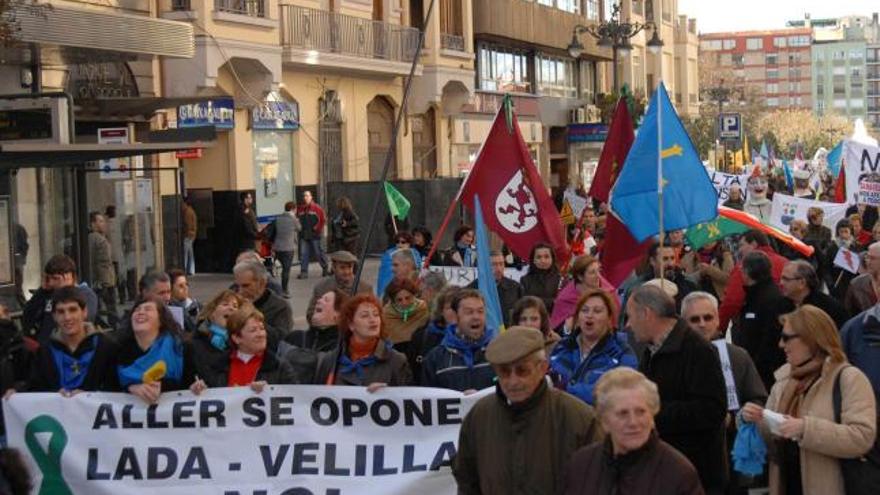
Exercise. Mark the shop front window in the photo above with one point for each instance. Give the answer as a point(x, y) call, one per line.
point(273, 171)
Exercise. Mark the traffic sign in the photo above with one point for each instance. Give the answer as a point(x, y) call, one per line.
point(729, 126)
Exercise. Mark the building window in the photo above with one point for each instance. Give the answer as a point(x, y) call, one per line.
point(737, 59)
point(773, 88)
point(638, 7)
point(772, 59)
point(588, 80)
point(838, 55)
point(856, 54)
point(710, 45)
point(592, 9)
point(794, 73)
point(772, 73)
point(773, 102)
point(754, 44)
point(840, 103)
point(573, 6)
point(451, 18)
point(803, 40)
point(779, 42)
point(556, 77)
point(504, 69)
point(667, 10)
point(728, 44)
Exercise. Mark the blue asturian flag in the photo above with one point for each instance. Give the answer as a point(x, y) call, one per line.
point(485, 279)
point(834, 158)
point(689, 198)
point(789, 176)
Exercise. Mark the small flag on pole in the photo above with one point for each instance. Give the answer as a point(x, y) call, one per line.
point(847, 260)
point(397, 202)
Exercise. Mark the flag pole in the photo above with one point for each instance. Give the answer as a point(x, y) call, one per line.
point(389, 157)
point(660, 176)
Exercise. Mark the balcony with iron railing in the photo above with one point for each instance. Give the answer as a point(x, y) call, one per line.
point(311, 37)
point(252, 8)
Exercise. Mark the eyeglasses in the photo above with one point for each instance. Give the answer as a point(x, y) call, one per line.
point(706, 318)
point(790, 279)
point(786, 337)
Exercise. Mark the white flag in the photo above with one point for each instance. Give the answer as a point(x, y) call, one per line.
point(848, 260)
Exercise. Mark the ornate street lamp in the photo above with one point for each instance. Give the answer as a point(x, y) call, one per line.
point(614, 34)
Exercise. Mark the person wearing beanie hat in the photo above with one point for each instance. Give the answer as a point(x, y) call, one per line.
point(524, 420)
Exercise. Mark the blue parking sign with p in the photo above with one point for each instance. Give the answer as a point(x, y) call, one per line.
point(729, 126)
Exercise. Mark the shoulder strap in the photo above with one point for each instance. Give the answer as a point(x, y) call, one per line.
point(836, 398)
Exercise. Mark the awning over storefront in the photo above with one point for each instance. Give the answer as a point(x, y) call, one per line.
point(137, 106)
point(103, 30)
point(20, 155)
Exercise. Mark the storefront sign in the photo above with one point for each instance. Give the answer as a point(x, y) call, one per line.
point(276, 116)
point(188, 154)
point(114, 168)
point(587, 133)
point(288, 439)
point(92, 80)
point(219, 113)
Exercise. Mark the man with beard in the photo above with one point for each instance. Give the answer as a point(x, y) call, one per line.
point(662, 259)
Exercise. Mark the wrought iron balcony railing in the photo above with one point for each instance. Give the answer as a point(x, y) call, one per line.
point(325, 31)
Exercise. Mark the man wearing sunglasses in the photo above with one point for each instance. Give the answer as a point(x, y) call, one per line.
point(519, 439)
point(700, 311)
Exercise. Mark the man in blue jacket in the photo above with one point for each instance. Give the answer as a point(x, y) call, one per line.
point(459, 362)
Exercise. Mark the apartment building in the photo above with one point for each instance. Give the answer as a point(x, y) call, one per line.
point(677, 64)
point(773, 64)
point(81, 73)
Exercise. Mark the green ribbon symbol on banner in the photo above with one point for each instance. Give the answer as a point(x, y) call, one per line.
point(48, 462)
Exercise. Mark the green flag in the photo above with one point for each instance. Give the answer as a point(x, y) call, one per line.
point(397, 202)
point(705, 233)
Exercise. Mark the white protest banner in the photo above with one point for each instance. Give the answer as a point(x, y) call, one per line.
point(848, 260)
point(862, 175)
point(291, 439)
point(722, 182)
point(787, 208)
point(462, 276)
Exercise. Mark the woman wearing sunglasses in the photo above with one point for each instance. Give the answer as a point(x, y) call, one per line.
point(805, 439)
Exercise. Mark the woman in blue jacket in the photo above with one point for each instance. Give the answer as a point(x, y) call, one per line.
point(580, 359)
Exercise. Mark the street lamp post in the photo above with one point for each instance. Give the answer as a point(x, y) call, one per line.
point(614, 34)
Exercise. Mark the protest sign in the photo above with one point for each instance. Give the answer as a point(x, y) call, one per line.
point(787, 208)
point(723, 181)
point(848, 260)
point(291, 439)
point(576, 202)
point(462, 276)
point(862, 175)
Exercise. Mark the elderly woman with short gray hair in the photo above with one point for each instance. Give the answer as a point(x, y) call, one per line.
point(632, 459)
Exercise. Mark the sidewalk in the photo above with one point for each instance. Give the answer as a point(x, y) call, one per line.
point(204, 286)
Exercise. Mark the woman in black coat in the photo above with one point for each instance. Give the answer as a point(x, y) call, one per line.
point(543, 278)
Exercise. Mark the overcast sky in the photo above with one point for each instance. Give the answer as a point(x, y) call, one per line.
point(742, 15)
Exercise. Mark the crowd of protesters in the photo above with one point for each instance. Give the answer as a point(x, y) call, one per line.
point(641, 388)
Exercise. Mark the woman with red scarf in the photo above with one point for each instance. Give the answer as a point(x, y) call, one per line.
point(366, 356)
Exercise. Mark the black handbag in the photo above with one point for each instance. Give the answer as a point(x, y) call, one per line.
point(861, 475)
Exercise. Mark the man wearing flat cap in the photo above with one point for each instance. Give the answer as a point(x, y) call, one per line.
point(518, 440)
point(344, 266)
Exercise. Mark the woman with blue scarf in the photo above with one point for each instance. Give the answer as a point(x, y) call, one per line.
point(210, 342)
point(153, 359)
point(77, 357)
point(463, 252)
point(365, 356)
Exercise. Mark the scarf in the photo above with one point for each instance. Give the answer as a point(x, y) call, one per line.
point(468, 254)
point(402, 323)
point(362, 356)
point(164, 359)
point(72, 370)
point(802, 378)
point(219, 337)
point(465, 347)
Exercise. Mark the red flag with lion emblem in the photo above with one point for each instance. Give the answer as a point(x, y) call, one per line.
point(516, 205)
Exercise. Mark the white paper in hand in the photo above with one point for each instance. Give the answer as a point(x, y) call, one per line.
point(773, 420)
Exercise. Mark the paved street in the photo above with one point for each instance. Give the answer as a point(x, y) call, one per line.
point(203, 286)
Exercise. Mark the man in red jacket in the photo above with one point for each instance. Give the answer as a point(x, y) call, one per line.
point(735, 294)
point(312, 218)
